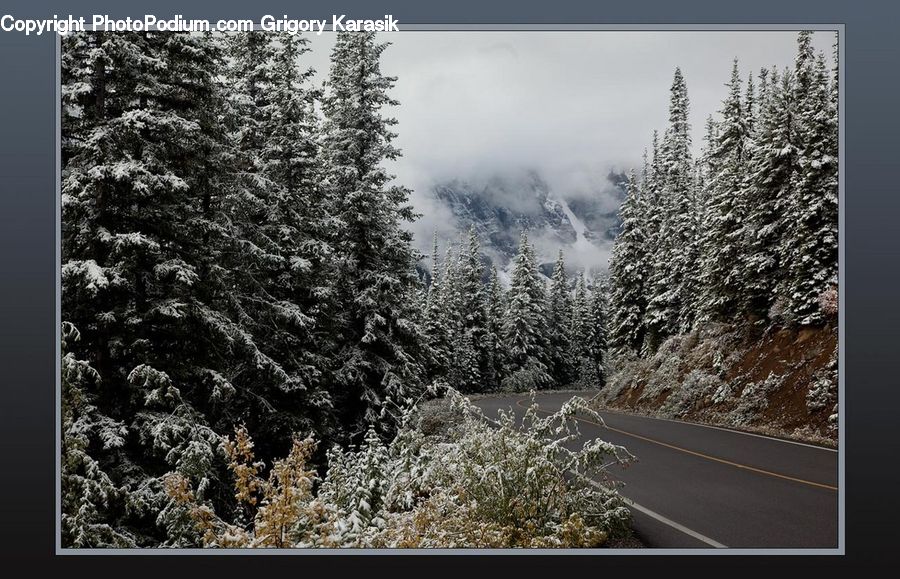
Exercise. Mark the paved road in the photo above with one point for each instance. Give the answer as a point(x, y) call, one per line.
point(698, 486)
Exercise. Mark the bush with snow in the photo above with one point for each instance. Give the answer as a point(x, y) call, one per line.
point(828, 301)
point(823, 390)
point(694, 390)
point(754, 399)
point(485, 483)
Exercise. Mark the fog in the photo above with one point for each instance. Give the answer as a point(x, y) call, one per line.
point(569, 105)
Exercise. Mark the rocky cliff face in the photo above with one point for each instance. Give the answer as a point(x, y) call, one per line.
point(501, 207)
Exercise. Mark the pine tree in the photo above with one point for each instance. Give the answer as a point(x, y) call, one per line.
point(279, 259)
point(772, 166)
point(579, 318)
point(588, 331)
point(379, 346)
point(810, 248)
point(472, 313)
point(89, 495)
point(691, 291)
point(140, 198)
point(629, 273)
point(559, 326)
point(525, 325)
point(494, 314)
point(434, 324)
point(672, 199)
point(592, 370)
point(723, 271)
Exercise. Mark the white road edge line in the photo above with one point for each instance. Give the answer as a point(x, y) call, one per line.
point(674, 525)
point(722, 428)
point(654, 515)
point(665, 520)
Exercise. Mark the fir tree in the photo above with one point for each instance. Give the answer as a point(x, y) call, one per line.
point(579, 318)
point(629, 273)
point(810, 248)
point(772, 167)
point(723, 273)
point(494, 314)
point(140, 200)
point(472, 312)
point(525, 326)
point(379, 346)
point(672, 200)
point(279, 259)
point(592, 370)
point(435, 320)
point(559, 326)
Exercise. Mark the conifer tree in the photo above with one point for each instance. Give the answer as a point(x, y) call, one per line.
point(559, 326)
point(724, 228)
point(280, 258)
point(671, 207)
point(773, 164)
point(524, 326)
point(434, 320)
point(379, 346)
point(141, 198)
point(579, 318)
point(472, 308)
point(89, 495)
point(494, 314)
point(592, 370)
point(588, 332)
point(629, 273)
point(810, 248)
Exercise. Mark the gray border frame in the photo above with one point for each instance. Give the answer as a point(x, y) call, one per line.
point(842, 400)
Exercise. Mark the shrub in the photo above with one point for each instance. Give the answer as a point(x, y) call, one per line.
point(828, 301)
point(823, 390)
point(697, 386)
point(531, 376)
point(779, 311)
point(754, 399)
point(481, 483)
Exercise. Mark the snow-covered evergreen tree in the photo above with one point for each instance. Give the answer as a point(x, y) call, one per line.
point(722, 267)
point(279, 257)
point(772, 166)
point(629, 267)
point(89, 496)
point(671, 205)
point(140, 279)
point(810, 247)
point(495, 308)
point(379, 345)
point(592, 369)
point(434, 319)
point(579, 318)
point(472, 315)
point(559, 325)
point(525, 337)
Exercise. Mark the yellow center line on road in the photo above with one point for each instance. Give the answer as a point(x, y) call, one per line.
point(699, 454)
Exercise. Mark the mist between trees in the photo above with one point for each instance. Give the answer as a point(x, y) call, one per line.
point(239, 287)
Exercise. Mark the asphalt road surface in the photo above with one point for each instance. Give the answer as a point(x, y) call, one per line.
point(704, 487)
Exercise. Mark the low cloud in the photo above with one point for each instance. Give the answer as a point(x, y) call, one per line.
point(570, 105)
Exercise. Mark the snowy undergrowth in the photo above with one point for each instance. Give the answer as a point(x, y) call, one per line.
point(452, 477)
point(780, 380)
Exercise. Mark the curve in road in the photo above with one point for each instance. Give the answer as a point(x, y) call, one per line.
point(699, 486)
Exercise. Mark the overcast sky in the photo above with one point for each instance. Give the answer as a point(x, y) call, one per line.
point(571, 105)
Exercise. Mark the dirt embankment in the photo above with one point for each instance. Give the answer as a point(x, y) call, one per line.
point(781, 381)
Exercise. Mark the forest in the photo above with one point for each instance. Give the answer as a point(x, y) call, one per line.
point(255, 355)
point(748, 230)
